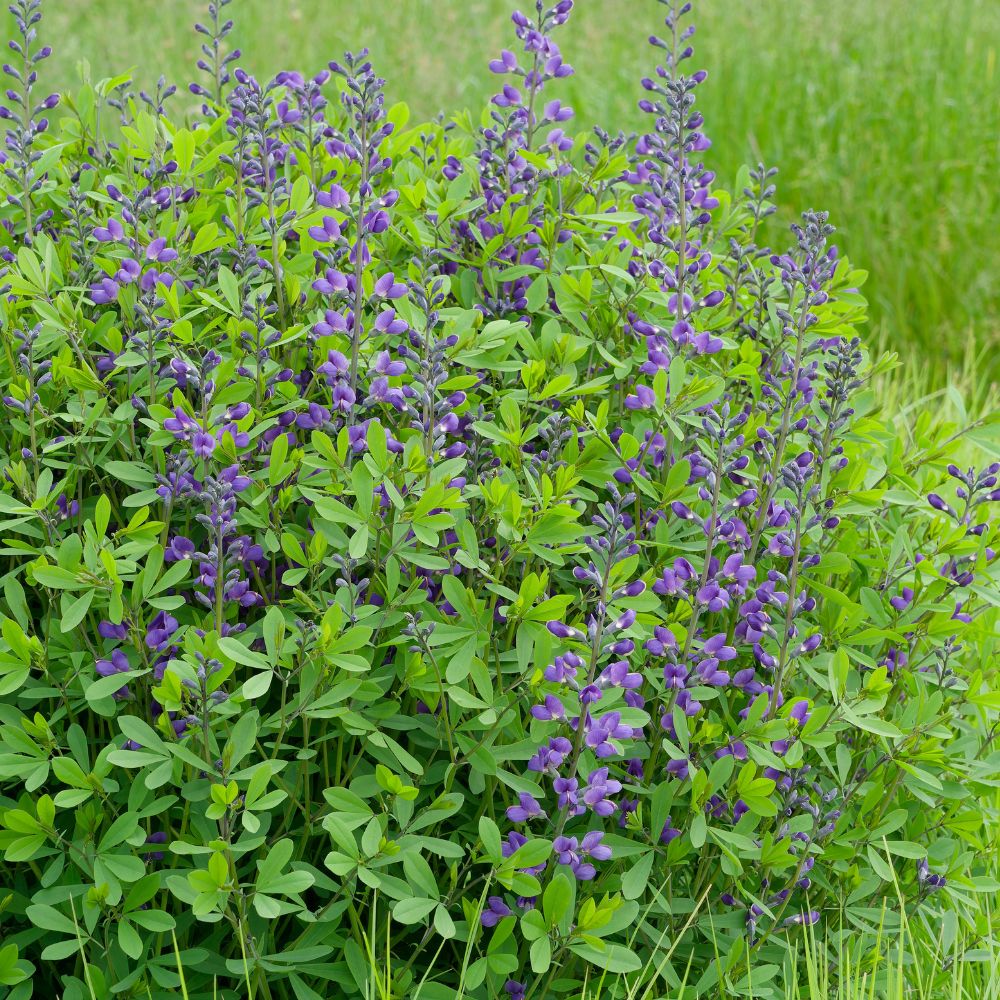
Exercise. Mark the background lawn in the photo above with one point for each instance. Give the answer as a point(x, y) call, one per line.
point(885, 112)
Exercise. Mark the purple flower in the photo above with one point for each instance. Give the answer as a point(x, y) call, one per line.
point(679, 768)
point(327, 232)
point(599, 790)
point(572, 853)
point(903, 600)
point(109, 630)
point(387, 287)
point(179, 548)
point(642, 399)
point(384, 365)
point(386, 322)
point(800, 712)
point(507, 62)
point(551, 708)
point(663, 641)
point(496, 910)
point(669, 833)
point(104, 291)
point(159, 251)
point(128, 272)
point(550, 757)
point(203, 443)
point(928, 881)
point(561, 631)
point(160, 631)
point(117, 664)
point(112, 233)
point(566, 792)
point(526, 809)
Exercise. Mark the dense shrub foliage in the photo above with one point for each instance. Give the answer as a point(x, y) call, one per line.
point(456, 560)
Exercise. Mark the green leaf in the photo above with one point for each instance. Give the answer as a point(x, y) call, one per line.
point(412, 911)
point(489, 834)
point(57, 578)
point(124, 866)
point(183, 144)
point(540, 955)
point(153, 920)
point(611, 218)
point(105, 687)
point(50, 919)
point(129, 940)
point(142, 733)
point(530, 854)
point(635, 879)
point(119, 831)
point(76, 612)
point(206, 239)
point(905, 849)
point(557, 899)
point(610, 957)
point(230, 289)
point(257, 686)
point(241, 739)
point(444, 924)
point(880, 866)
point(235, 650)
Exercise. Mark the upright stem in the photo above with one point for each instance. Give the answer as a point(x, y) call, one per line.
point(710, 544)
point(220, 580)
point(217, 56)
point(681, 199)
point(29, 228)
point(786, 416)
point(359, 255)
point(595, 655)
point(793, 581)
point(535, 87)
point(275, 254)
point(33, 431)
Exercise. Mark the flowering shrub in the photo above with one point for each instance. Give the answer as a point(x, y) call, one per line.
point(456, 560)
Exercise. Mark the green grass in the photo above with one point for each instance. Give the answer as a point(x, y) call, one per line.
point(918, 957)
point(884, 112)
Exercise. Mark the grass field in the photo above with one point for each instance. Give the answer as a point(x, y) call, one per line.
point(882, 111)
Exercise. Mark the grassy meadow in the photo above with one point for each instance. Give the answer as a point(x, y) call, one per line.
point(884, 112)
